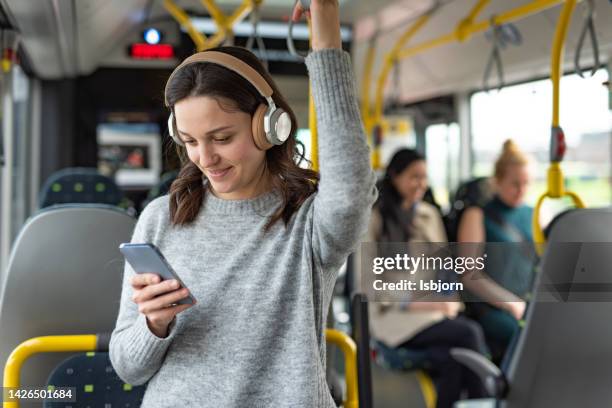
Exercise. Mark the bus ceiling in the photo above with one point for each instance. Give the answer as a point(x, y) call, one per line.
point(67, 38)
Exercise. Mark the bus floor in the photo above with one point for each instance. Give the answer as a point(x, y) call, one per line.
point(396, 389)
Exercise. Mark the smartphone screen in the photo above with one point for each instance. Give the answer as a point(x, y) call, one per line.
point(146, 258)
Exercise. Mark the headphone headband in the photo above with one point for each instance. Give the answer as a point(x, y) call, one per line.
point(230, 62)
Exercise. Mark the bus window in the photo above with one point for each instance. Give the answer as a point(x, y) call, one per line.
point(442, 153)
point(523, 112)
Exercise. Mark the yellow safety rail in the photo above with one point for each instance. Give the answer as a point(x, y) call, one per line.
point(390, 59)
point(183, 19)
point(427, 388)
point(366, 113)
point(462, 32)
point(43, 344)
point(349, 349)
point(394, 55)
point(88, 342)
point(372, 119)
point(556, 188)
point(314, 135)
point(224, 23)
point(312, 119)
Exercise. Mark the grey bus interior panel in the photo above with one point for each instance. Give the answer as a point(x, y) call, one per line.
point(64, 277)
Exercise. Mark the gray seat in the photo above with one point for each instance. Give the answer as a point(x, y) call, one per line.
point(563, 356)
point(64, 277)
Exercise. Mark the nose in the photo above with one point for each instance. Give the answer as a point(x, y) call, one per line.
point(207, 155)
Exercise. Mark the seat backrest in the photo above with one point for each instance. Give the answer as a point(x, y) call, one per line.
point(79, 185)
point(563, 357)
point(64, 277)
point(473, 193)
point(96, 383)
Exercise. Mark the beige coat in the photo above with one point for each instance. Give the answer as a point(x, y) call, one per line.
point(390, 323)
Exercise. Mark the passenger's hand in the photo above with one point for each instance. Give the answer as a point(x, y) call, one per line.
point(154, 299)
point(450, 309)
point(325, 20)
point(516, 309)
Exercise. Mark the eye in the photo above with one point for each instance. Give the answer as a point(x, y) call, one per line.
point(190, 142)
point(222, 139)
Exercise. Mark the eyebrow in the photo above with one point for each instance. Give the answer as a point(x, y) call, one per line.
point(210, 132)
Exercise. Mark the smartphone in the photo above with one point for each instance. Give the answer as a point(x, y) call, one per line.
point(146, 258)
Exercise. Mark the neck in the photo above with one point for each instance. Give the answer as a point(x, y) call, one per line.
point(407, 204)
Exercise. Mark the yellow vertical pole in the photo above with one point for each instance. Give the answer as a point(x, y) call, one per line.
point(312, 121)
point(555, 178)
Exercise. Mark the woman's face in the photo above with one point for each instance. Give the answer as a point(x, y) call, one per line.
point(221, 144)
point(512, 187)
point(411, 183)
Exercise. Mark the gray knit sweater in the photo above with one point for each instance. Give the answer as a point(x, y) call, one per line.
point(256, 336)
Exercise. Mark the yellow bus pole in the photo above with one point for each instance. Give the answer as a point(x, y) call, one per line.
point(312, 121)
point(555, 179)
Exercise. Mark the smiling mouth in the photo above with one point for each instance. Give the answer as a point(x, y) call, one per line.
point(218, 172)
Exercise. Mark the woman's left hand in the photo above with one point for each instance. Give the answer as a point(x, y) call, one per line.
point(325, 20)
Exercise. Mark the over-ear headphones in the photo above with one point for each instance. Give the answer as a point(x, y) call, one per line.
point(271, 124)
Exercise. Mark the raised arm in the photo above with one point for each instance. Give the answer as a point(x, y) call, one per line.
point(347, 187)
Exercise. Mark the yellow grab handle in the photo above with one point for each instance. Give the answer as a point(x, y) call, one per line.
point(349, 349)
point(538, 233)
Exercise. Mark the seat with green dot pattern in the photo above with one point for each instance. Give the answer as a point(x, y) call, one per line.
point(96, 383)
point(79, 185)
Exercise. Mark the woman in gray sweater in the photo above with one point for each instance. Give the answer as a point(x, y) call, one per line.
point(256, 239)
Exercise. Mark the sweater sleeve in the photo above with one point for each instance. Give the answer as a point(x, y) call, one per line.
point(135, 352)
point(347, 189)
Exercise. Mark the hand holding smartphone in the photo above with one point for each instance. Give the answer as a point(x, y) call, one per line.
point(158, 291)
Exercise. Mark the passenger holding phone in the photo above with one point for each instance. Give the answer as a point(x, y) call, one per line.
point(256, 239)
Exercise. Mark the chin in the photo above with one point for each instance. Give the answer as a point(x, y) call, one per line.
point(222, 188)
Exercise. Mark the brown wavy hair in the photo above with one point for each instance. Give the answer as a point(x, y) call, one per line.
point(295, 184)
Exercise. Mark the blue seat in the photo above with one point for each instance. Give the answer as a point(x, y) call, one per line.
point(162, 188)
point(79, 185)
point(401, 358)
point(96, 383)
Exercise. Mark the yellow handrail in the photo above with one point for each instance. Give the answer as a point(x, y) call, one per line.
point(224, 23)
point(555, 185)
point(44, 344)
point(466, 31)
point(390, 58)
point(349, 349)
point(88, 342)
point(427, 388)
point(312, 119)
point(183, 19)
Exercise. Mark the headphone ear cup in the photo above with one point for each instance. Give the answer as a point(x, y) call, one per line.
point(174, 137)
point(259, 134)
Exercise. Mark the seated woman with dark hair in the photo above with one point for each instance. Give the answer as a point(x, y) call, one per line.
point(401, 216)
